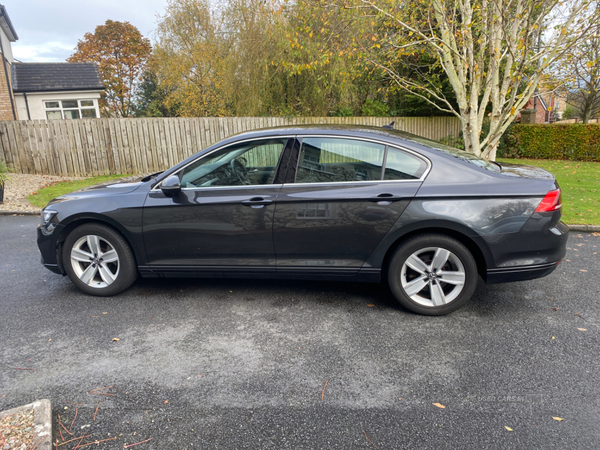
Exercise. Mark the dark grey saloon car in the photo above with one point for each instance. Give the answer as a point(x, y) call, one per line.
point(316, 202)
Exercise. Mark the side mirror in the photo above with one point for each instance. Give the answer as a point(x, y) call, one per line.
point(171, 186)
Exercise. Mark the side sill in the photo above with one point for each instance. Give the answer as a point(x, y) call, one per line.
point(368, 275)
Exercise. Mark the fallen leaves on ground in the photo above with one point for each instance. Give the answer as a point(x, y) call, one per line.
point(559, 419)
point(439, 405)
point(582, 329)
point(508, 428)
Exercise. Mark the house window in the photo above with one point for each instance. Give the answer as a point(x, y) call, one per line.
point(71, 109)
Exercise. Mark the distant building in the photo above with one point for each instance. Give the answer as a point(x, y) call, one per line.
point(33, 91)
point(8, 34)
point(56, 90)
point(549, 106)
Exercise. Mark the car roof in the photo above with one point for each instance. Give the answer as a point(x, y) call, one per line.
point(366, 131)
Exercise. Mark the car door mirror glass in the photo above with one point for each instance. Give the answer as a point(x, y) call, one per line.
point(171, 186)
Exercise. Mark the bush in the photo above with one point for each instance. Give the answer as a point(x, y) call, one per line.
point(577, 142)
point(375, 108)
point(4, 170)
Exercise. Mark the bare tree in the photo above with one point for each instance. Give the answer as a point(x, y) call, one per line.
point(494, 52)
point(583, 73)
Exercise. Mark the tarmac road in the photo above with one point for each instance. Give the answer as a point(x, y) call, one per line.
point(248, 364)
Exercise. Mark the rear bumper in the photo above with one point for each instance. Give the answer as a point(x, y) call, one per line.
point(506, 275)
point(528, 255)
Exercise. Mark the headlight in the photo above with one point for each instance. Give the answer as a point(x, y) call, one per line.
point(47, 216)
point(49, 222)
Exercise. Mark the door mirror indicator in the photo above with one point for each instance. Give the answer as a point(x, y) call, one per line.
point(171, 186)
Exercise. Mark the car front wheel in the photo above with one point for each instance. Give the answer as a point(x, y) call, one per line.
point(98, 260)
point(432, 274)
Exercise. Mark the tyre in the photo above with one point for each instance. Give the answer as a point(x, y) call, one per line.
point(98, 260)
point(432, 274)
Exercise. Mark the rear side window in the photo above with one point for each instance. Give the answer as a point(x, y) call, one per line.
point(329, 160)
point(400, 165)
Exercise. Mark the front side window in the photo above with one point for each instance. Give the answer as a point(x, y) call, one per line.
point(70, 109)
point(247, 164)
point(329, 160)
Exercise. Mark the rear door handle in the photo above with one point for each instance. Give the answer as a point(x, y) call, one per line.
point(385, 198)
point(256, 202)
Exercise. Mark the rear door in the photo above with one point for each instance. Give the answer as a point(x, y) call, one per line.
point(345, 196)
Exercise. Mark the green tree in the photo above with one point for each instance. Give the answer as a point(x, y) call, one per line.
point(151, 99)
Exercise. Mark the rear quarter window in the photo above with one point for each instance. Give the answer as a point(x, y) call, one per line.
point(400, 165)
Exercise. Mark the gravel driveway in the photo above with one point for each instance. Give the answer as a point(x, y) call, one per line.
point(21, 186)
point(251, 364)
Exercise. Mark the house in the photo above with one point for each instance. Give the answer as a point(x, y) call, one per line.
point(546, 105)
point(8, 34)
point(56, 90)
point(30, 91)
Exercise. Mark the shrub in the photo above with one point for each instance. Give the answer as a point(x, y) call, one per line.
point(4, 169)
point(577, 142)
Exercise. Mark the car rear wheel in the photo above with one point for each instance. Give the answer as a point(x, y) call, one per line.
point(432, 274)
point(98, 260)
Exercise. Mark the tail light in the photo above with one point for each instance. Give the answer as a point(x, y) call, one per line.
point(551, 202)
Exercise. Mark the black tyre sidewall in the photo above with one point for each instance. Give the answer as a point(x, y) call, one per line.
point(127, 265)
point(424, 241)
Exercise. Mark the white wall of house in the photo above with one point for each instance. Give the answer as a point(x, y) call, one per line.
point(37, 102)
point(6, 46)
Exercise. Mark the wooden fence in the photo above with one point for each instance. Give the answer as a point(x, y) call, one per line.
point(111, 146)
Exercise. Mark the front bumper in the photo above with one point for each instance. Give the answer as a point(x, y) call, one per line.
point(48, 249)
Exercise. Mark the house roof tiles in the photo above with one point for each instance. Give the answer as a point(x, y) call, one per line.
point(46, 77)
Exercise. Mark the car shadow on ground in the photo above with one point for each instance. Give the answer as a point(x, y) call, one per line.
point(486, 301)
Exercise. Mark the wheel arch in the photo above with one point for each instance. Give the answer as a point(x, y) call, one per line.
point(474, 244)
point(76, 221)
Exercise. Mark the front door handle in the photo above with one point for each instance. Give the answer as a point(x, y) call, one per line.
point(385, 199)
point(256, 202)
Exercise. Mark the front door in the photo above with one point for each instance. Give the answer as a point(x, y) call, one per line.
point(224, 214)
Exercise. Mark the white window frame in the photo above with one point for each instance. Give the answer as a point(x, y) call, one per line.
point(79, 107)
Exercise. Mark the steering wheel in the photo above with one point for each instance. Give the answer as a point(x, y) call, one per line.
point(239, 170)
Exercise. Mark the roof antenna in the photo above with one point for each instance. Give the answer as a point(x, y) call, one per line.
point(390, 126)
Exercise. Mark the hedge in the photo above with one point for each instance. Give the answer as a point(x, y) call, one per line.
point(575, 141)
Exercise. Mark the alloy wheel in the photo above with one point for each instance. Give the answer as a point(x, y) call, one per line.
point(433, 276)
point(95, 261)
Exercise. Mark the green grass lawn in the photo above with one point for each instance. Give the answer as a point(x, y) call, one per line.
point(580, 186)
point(46, 194)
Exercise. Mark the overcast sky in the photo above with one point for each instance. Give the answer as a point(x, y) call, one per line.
point(48, 30)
